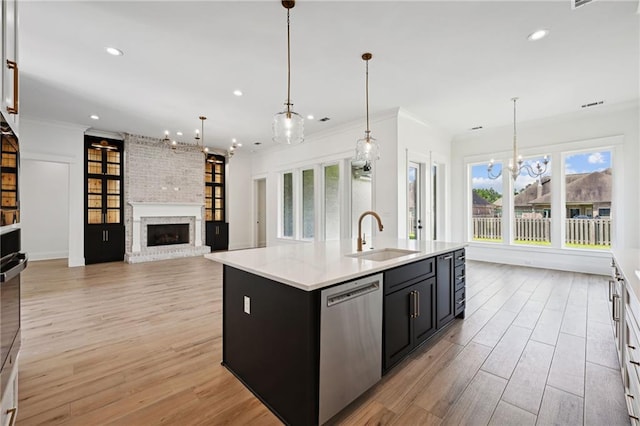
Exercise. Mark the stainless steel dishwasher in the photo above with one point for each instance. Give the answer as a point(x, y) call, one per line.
point(350, 343)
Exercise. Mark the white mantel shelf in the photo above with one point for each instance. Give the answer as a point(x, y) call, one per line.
point(155, 209)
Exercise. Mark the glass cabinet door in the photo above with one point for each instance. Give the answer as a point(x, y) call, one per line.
point(214, 188)
point(104, 177)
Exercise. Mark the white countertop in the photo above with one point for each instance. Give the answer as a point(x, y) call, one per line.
point(311, 266)
point(628, 261)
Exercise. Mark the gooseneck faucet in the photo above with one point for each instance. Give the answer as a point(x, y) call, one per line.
point(372, 213)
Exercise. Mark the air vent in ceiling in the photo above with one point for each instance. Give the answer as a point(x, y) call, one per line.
point(323, 119)
point(577, 3)
point(476, 128)
point(592, 104)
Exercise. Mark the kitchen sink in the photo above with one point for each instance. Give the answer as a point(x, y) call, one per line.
point(382, 254)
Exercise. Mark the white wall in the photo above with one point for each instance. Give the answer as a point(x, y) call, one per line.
point(45, 208)
point(240, 201)
point(337, 144)
point(586, 125)
point(422, 143)
point(58, 143)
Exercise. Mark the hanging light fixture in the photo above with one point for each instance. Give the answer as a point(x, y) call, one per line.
point(288, 126)
point(367, 149)
point(517, 164)
point(203, 149)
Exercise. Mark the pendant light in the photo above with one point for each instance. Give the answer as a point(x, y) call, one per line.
point(367, 149)
point(517, 164)
point(288, 126)
point(203, 149)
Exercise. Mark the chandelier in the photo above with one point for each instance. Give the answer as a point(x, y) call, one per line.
point(288, 126)
point(517, 164)
point(367, 149)
point(203, 149)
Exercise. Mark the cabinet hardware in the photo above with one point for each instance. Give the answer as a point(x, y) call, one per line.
point(107, 235)
point(103, 235)
point(12, 419)
point(417, 303)
point(412, 303)
point(461, 301)
point(460, 278)
point(449, 257)
point(634, 362)
point(630, 396)
point(614, 311)
point(634, 417)
point(631, 347)
point(610, 290)
point(12, 65)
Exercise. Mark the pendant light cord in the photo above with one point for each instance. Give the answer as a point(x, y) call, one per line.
point(515, 154)
point(288, 68)
point(367, 95)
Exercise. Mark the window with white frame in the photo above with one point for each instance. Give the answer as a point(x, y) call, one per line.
point(308, 204)
point(332, 202)
point(287, 205)
point(574, 207)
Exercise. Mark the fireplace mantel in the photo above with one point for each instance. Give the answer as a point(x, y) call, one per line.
point(146, 209)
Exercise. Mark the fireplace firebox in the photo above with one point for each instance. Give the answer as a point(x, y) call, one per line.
point(167, 234)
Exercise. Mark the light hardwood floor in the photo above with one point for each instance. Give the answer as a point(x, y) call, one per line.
point(141, 345)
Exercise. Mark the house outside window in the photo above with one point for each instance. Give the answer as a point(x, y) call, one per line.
point(486, 204)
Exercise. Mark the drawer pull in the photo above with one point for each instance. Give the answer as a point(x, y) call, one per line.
point(634, 417)
point(12, 419)
point(461, 302)
point(449, 257)
point(634, 362)
point(630, 396)
point(460, 278)
point(631, 347)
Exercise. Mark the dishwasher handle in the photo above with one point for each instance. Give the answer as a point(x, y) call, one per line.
point(354, 293)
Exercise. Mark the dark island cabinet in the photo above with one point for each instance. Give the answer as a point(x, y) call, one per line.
point(420, 299)
point(409, 310)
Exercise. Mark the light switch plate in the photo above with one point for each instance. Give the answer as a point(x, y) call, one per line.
point(247, 305)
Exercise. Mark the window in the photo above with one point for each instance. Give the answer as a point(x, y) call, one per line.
point(287, 205)
point(360, 197)
point(332, 202)
point(486, 203)
point(308, 205)
point(587, 199)
point(532, 206)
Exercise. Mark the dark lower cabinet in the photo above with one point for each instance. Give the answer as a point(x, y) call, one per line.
point(408, 320)
point(445, 290)
point(103, 243)
point(420, 299)
point(217, 235)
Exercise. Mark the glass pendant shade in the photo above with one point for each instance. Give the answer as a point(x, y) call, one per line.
point(288, 128)
point(367, 150)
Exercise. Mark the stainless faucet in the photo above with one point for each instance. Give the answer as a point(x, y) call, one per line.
point(372, 213)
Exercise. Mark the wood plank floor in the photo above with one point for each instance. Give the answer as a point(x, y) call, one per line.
point(141, 345)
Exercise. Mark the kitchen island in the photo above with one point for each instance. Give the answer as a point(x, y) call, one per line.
point(308, 327)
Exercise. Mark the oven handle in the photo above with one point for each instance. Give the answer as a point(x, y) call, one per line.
point(13, 272)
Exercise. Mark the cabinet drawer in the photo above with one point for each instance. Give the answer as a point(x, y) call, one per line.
point(459, 257)
point(459, 277)
point(395, 279)
point(632, 358)
point(632, 397)
point(459, 301)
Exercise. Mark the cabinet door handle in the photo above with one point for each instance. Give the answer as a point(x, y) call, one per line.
point(460, 278)
point(631, 347)
point(615, 316)
point(12, 419)
point(610, 290)
point(634, 362)
point(417, 303)
point(107, 235)
point(412, 297)
point(449, 257)
point(461, 301)
point(12, 65)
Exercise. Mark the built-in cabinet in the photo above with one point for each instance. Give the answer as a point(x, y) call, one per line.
point(104, 217)
point(420, 299)
point(625, 314)
point(216, 229)
point(9, 166)
point(10, 73)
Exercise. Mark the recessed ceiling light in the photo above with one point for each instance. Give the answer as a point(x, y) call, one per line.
point(237, 92)
point(537, 35)
point(94, 117)
point(233, 140)
point(179, 133)
point(115, 52)
point(310, 117)
point(239, 145)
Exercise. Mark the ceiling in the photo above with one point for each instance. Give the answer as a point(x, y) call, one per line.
point(452, 64)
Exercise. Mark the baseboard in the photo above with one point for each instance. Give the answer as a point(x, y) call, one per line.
point(47, 255)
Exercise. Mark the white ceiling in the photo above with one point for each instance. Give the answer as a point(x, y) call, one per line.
point(452, 64)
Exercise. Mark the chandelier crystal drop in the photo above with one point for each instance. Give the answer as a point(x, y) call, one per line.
point(516, 164)
point(288, 126)
point(367, 148)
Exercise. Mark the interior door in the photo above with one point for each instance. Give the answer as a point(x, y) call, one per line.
point(414, 202)
point(261, 209)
